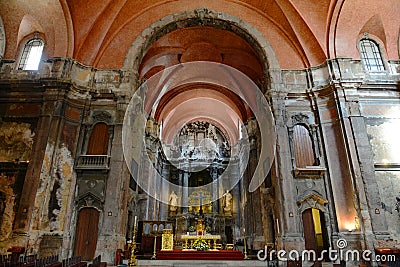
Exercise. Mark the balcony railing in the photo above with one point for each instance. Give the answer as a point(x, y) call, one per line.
point(93, 162)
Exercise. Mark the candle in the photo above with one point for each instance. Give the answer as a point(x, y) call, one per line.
point(134, 223)
point(277, 226)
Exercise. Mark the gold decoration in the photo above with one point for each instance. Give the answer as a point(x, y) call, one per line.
point(132, 246)
point(167, 242)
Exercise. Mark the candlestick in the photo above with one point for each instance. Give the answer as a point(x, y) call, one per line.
point(154, 257)
point(245, 246)
point(132, 260)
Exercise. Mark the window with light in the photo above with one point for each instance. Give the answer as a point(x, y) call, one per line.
point(31, 54)
point(371, 55)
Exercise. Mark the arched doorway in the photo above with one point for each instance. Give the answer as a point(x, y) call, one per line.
point(86, 233)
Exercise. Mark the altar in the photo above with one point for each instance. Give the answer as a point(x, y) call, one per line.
point(189, 239)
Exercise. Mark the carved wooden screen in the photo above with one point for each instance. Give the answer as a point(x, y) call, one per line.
point(98, 142)
point(86, 233)
point(302, 146)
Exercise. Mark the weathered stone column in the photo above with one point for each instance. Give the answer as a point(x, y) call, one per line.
point(361, 155)
point(214, 177)
point(289, 234)
point(185, 196)
point(48, 130)
point(111, 229)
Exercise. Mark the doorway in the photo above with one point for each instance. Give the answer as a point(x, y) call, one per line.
point(86, 233)
point(315, 232)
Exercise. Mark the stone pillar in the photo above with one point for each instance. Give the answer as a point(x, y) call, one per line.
point(289, 233)
point(164, 190)
point(362, 163)
point(48, 130)
point(112, 229)
point(214, 177)
point(185, 193)
point(336, 145)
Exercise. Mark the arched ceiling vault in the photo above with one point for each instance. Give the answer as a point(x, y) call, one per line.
point(198, 101)
point(182, 94)
point(302, 33)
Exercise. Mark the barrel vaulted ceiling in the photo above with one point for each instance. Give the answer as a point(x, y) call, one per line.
point(302, 33)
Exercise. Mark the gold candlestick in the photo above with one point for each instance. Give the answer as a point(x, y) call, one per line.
point(245, 245)
point(132, 259)
point(154, 257)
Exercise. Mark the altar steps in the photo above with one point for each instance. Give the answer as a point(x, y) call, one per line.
point(201, 263)
point(217, 255)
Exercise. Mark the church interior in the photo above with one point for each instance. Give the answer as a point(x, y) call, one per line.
point(149, 129)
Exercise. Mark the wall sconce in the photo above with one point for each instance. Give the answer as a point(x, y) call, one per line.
point(110, 213)
point(377, 211)
point(291, 214)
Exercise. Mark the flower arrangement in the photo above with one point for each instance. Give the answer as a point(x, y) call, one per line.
point(192, 228)
point(201, 244)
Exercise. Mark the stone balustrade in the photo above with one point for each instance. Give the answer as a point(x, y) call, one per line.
point(93, 162)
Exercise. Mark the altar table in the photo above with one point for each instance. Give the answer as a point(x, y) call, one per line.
point(189, 239)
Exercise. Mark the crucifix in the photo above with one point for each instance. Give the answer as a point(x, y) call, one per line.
point(200, 197)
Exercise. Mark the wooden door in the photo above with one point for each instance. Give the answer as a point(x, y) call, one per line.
point(87, 230)
point(309, 230)
point(98, 142)
point(303, 148)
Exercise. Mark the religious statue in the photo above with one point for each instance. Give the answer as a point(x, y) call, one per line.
point(228, 202)
point(173, 201)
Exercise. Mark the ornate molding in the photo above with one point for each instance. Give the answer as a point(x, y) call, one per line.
point(101, 116)
point(300, 118)
point(311, 199)
point(90, 200)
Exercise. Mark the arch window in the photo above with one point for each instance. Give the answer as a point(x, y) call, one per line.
point(371, 55)
point(31, 54)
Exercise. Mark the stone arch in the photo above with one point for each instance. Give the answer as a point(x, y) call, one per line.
point(205, 17)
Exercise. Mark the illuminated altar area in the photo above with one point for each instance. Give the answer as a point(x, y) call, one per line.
point(199, 246)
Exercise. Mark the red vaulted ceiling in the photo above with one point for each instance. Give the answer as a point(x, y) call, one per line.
point(302, 33)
